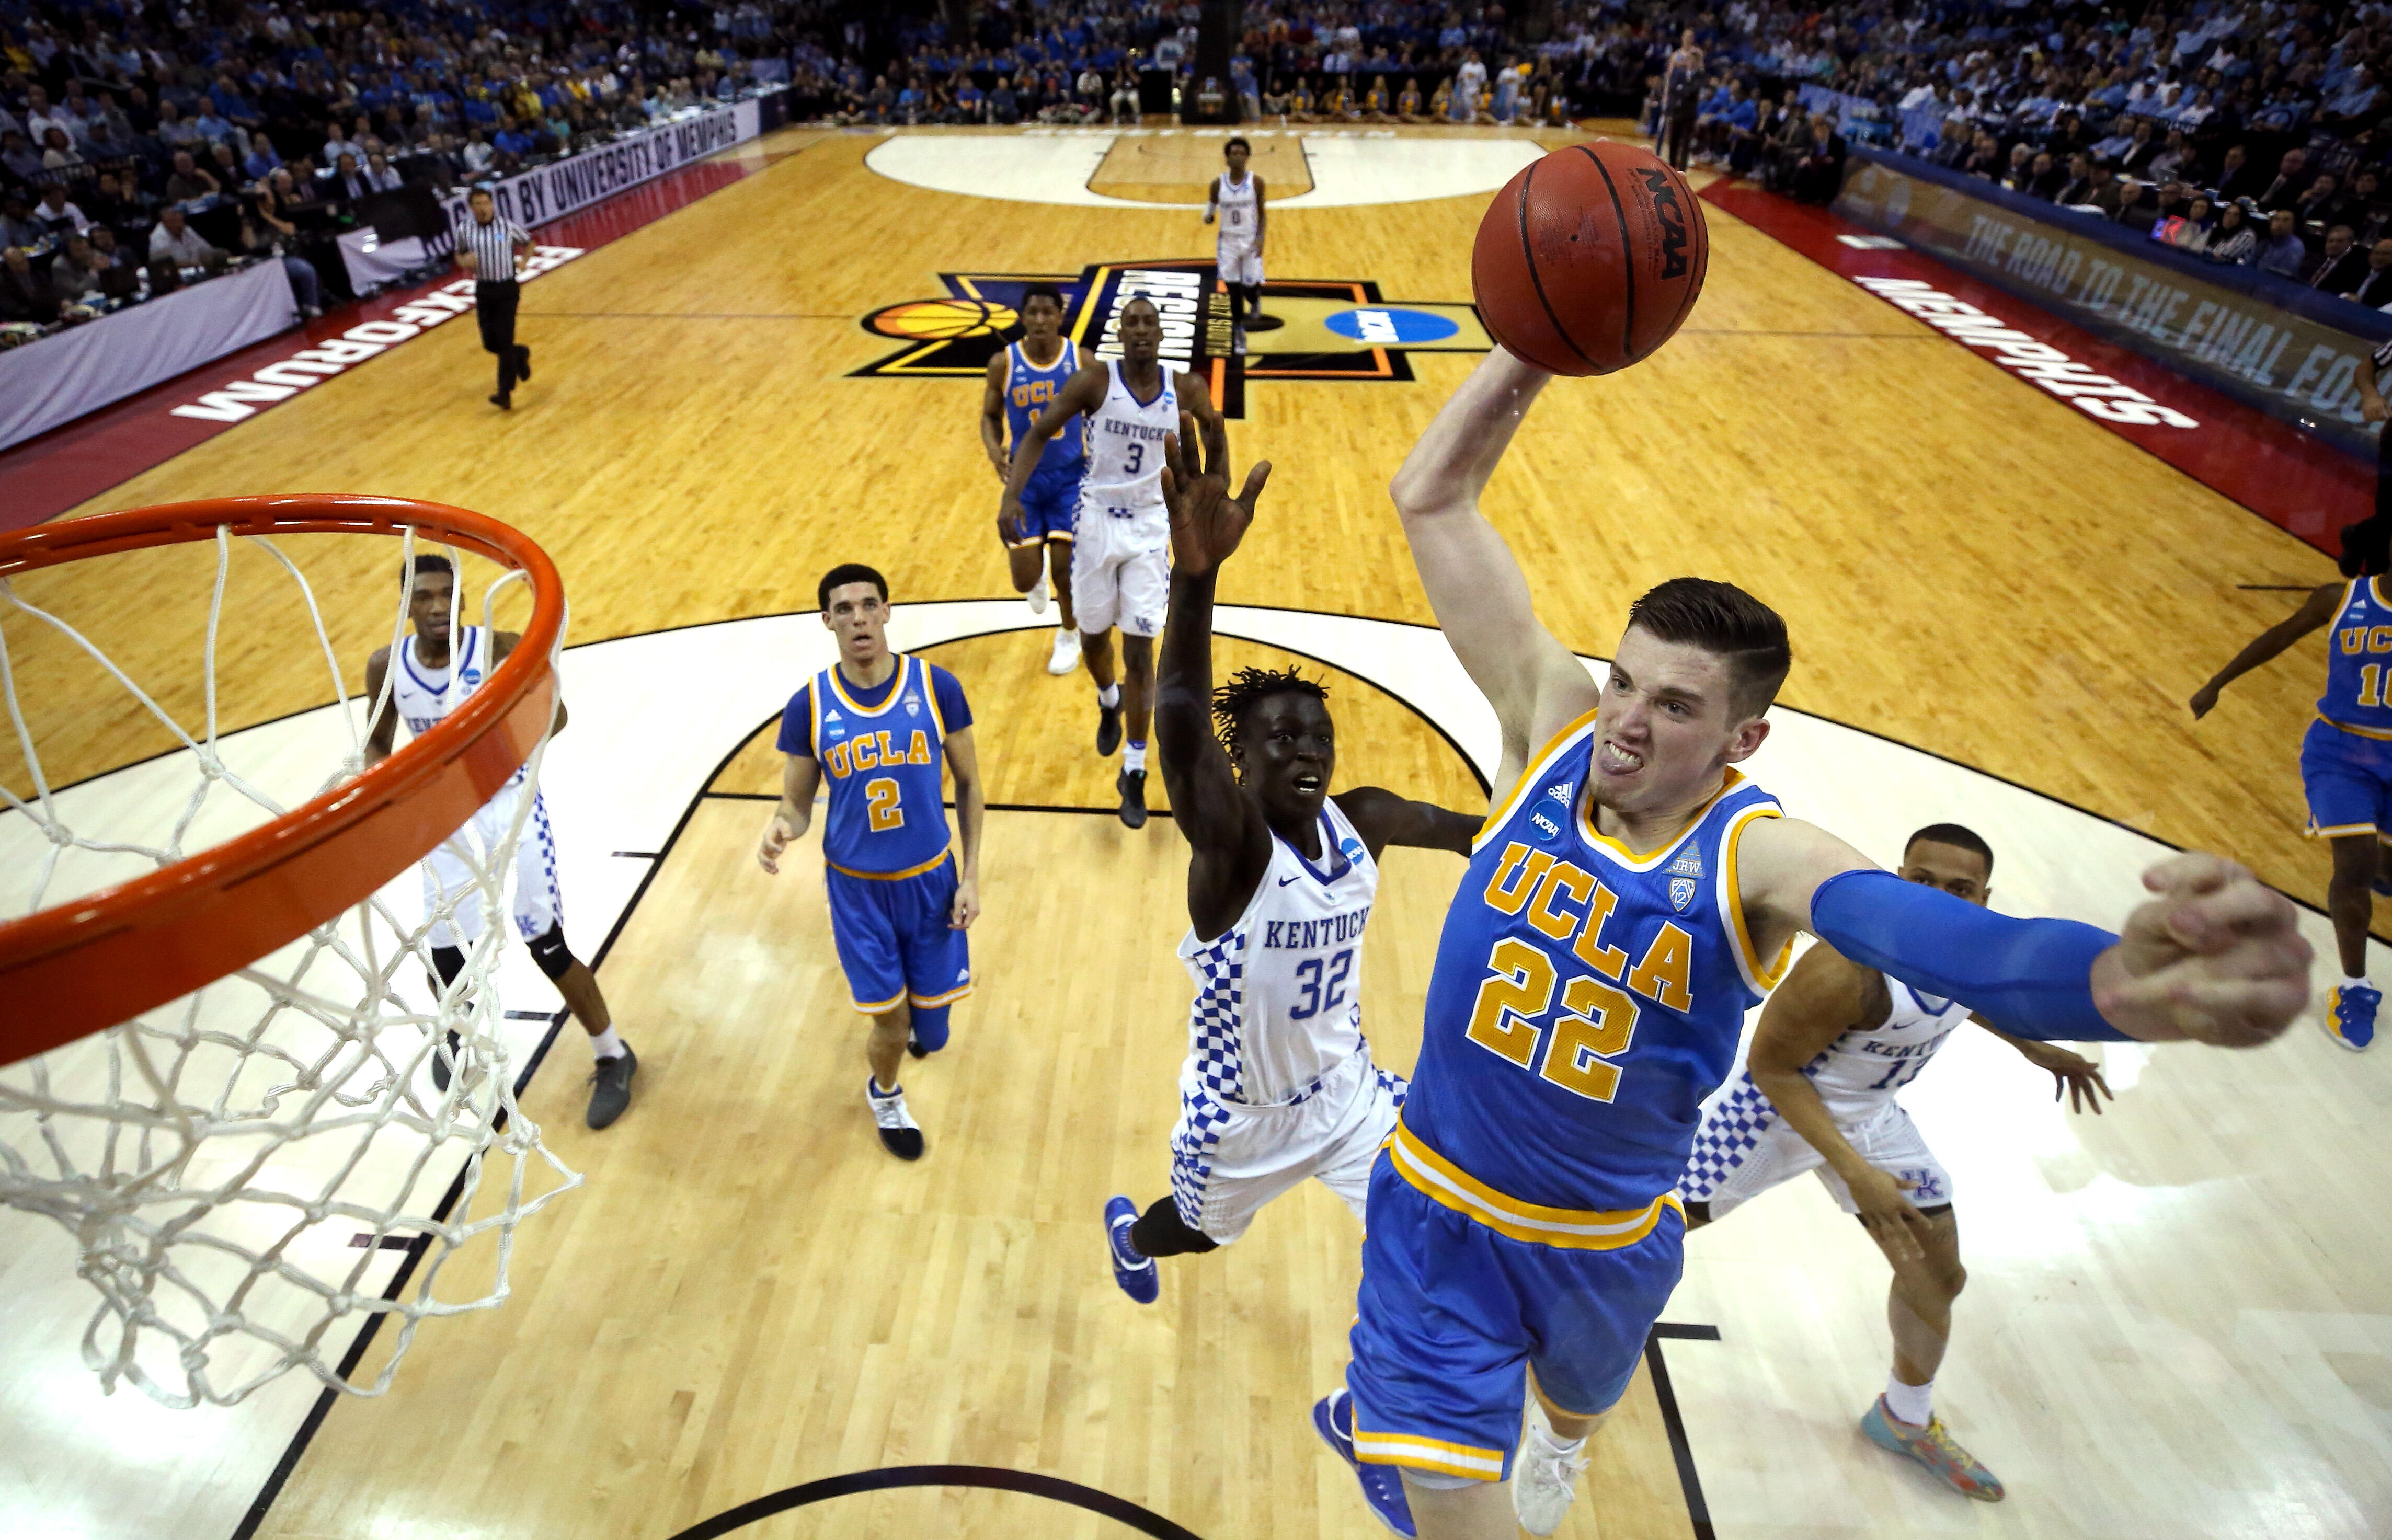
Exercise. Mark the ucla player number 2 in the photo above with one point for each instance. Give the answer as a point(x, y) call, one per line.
point(1597, 1020)
point(882, 804)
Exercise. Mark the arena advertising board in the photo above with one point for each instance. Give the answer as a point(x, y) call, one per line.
point(1324, 328)
point(557, 188)
point(2283, 362)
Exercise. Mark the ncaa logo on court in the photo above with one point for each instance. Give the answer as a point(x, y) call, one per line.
point(1311, 329)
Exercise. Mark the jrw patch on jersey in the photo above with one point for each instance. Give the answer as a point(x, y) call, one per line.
point(1685, 879)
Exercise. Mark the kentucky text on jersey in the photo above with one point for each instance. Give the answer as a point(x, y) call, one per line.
point(1303, 935)
point(1585, 1000)
point(1139, 430)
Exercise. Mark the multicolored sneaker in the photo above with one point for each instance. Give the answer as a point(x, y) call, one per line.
point(1333, 1419)
point(2350, 1016)
point(1133, 1271)
point(1932, 1447)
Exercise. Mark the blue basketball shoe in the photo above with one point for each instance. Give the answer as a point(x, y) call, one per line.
point(1333, 1419)
point(2350, 1016)
point(1136, 1273)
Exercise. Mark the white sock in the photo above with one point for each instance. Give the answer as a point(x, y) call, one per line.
point(1134, 756)
point(1552, 1442)
point(873, 1081)
point(1110, 695)
point(606, 1045)
point(2357, 984)
point(1912, 1404)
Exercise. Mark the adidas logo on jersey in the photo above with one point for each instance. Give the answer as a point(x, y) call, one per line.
point(830, 715)
point(1562, 791)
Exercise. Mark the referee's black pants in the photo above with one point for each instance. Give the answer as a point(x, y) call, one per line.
point(494, 306)
point(1678, 134)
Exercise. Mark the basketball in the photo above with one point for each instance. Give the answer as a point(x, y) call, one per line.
point(1590, 259)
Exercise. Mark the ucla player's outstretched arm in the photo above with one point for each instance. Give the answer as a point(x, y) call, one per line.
point(992, 417)
point(801, 778)
point(2318, 610)
point(1535, 684)
point(1084, 391)
point(1229, 841)
point(2214, 958)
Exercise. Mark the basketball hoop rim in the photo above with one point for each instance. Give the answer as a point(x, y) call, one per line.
point(101, 958)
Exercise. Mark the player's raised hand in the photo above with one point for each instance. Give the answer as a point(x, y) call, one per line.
point(2215, 958)
point(1206, 523)
point(777, 835)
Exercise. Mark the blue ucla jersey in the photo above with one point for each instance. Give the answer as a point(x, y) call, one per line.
point(2356, 661)
point(1030, 391)
point(883, 765)
point(1585, 1001)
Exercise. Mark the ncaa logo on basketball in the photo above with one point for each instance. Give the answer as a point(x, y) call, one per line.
point(1673, 226)
point(1311, 329)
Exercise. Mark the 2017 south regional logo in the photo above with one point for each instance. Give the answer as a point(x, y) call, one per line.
point(1320, 329)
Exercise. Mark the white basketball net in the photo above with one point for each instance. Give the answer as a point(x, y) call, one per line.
point(231, 1165)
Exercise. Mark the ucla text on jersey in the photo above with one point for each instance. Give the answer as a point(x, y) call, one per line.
point(883, 767)
point(1585, 1000)
point(1029, 391)
point(2358, 661)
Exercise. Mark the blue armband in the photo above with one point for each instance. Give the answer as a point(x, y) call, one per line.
point(2032, 978)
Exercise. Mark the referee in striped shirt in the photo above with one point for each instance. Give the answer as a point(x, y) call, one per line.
point(488, 247)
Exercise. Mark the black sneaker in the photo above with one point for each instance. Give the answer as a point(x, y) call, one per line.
point(610, 1087)
point(1132, 786)
point(523, 362)
point(504, 402)
point(1108, 728)
point(442, 1058)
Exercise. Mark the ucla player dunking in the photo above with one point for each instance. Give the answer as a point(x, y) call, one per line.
point(1278, 1084)
point(1836, 1045)
point(432, 679)
point(880, 725)
point(1236, 197)
point(2346, 755)
point(1630, 896)
point(1023, 382)
point(1121, 555)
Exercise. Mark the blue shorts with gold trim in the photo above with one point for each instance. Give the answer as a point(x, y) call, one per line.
point(893, 939)
point(2348, 781)
point(1453, 1310)
point(1050, 504)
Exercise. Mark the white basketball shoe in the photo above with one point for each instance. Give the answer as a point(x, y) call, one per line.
point(1037, 595)
point(1545, 1474)
point(1067, 651)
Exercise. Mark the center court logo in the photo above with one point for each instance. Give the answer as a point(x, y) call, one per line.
point(1327, 328)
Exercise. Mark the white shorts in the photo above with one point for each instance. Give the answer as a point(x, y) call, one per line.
point(1121, 570)
point(1238, 261)
point(448, 871)
point(1744, 1148)
point(1227, 1161)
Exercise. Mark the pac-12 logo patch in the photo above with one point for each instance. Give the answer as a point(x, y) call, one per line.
point(1681, 893)
point(913, 707)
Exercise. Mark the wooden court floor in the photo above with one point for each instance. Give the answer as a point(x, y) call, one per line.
point(748, 1295)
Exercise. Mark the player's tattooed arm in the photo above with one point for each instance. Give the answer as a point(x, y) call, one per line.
point(1084, 391)
point(1229, 841)
point(2318, 610)
point(1475, 584)
point(991, 418)
point(1383, 818)
point(1823, 996)
point(800, 775)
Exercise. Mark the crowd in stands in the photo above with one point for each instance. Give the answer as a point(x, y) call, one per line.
point(147, 147)
point(147, 144)
point(2253, 136)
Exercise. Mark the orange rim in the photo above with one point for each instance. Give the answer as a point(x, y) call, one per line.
point(106, 957)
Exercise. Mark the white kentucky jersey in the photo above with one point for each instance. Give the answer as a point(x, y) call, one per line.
point(1278, 993)
point(422, 695)
point(1859, 1072)
point(1237, 205)
point(1125, 437)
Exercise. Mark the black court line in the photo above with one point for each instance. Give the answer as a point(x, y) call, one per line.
point(637, 855)
point(1690, 1484)
point(1054, 1488)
